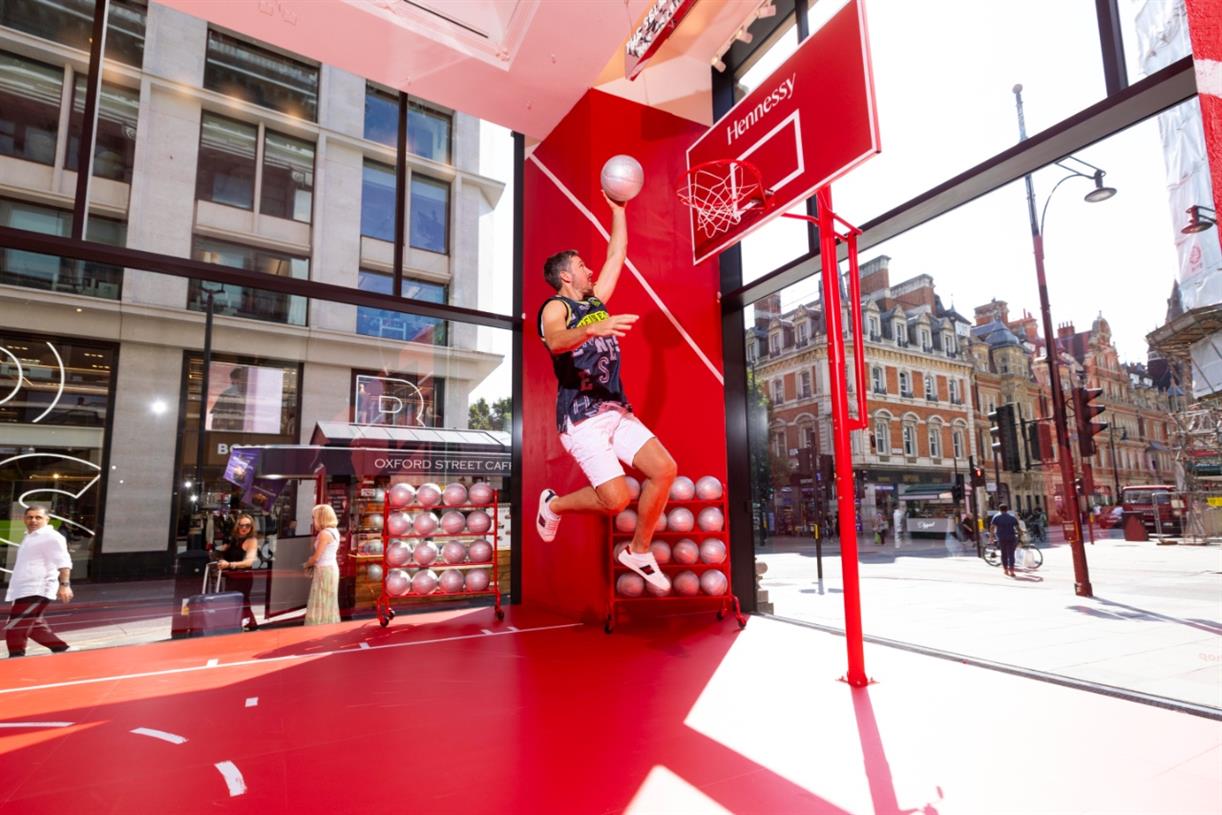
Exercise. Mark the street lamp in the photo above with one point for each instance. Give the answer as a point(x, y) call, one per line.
point(1124, 434)
point(209, 295)
point(1198, 221)
point(1082, 585)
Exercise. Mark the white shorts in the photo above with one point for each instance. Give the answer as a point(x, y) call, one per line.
point(601, 442)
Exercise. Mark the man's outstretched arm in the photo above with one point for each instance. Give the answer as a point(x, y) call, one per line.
point(617, 252)
point(559, 339)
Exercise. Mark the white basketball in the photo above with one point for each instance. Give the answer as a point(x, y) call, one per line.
point(661, 551)
point(710, 519)
point(373, 571)
point(375, 521)
point(453, 552)
point(453, 522)
point(428, 495)
point(398, 583)
point(399, 523)
point(425, 523)
point(712, 550)
point(397, 553)
point(622, 178)
point(708, 488)
point(626, 521)
point(424, 582)
point(454, 495)
point(682, 489)
point(680, 519)
point(480, 493)
point(478, 579)
point(660, 524)
point(630, 585)
point(634, 487)
point(374, 547)
point(424, 553)
point(713, 582)
point(402, 494)
point(686, 583)
point(685, 551)
point(481, 552)
point(479, 522)
point(452, 581)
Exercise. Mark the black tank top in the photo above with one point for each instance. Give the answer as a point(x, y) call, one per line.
point(588, 376)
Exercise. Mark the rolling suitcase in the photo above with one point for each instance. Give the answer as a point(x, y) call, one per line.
point(214, 611)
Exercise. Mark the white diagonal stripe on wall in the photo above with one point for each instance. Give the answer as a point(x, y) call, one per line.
point(1209, 76)
point(632, 268)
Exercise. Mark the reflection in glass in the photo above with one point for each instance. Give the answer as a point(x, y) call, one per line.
point(396, 325)
point(428, 133)
point(70, 23)
point(226, 172)
point(262, 77)
point(29, 108)
point(288, 177)
point(115, 136)
point(381, 117)
point(246, 301)
point(378, 201)
point(430, 214)
point(51, 272)
point(398, 399)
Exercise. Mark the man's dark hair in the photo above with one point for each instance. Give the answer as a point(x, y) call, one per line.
point(555, 265)
point(1004, 507)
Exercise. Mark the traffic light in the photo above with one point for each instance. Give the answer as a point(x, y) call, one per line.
point(978, 476)
point(1004, 431)
point(1039, 439)
point(1085, 412)
point(956, 490)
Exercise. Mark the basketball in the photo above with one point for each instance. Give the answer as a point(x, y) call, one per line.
point(453, 522)
point(424, 553)
point(424, 582)
point(398, 583)
point(708, 488)
point(686, 583)
point(480, 493)
point(398, 553)
point(373, 571)
point(634, 487)
point(661, 551)
point(453, 552)
point(425, 523)
point(429, 495)
point(626, 521)
point(478, 522)
point(454, 495)
point(452, 581)
point(401, 495)
point(712, 550)
point(400, 522)
point(710, 519)
point(713, 582)
point(685, 551)
point(682, 489)
point(680, 520)
point(477, 580)
point(481, 552)
point(622, 178)
point(630, 585)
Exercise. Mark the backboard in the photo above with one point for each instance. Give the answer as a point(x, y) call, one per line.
point(807, 124)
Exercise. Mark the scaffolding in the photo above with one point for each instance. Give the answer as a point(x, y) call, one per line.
point(1198, 458)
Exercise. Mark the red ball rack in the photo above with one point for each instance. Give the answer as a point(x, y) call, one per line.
point(725, 602)
point(386, 600)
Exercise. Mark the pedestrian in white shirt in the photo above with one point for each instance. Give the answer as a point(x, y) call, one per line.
point(41, 574)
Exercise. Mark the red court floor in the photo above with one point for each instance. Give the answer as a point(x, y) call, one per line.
point(454, 712)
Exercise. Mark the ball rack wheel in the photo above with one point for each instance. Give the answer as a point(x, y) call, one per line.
point(742, 621)
point(609, 625)
point(500, 614)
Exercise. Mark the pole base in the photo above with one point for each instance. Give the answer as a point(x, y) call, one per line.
point(857, 682)
point(1083, 589)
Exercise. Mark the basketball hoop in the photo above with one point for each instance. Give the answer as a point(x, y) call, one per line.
point(721, 192)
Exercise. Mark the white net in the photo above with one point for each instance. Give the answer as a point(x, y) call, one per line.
point(720, 193)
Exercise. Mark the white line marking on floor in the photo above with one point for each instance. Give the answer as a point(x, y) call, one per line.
point(511, 628)
point(36, 724)
point(364, 645)
point(233, 778)
point(485, 631)
point(631, 268)
point(268, 660)
point(172, 738)
point(212, 663)
point(252, 701)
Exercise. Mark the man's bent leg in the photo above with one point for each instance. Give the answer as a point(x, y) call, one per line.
point(659, 469)
point(609, 497)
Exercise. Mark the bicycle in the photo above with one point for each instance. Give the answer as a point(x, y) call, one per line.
point(1031, 557)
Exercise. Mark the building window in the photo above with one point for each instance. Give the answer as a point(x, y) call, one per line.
point(774, 344)
point(428, 133)
point(428, 130)
point(226, 173)
point(247, 301)
point(54, 273)
point(397, 399)
point(30, 95)
point(808, 437)
point(378, 201)
point(931, 387)
point(806, 391)
point(872, 324)
point(882, 437)
point(935, 441)
point(878, 379)
point(901, 333)
point(288, 177)
point(70, 23)
point(115, 138)
point(778, 444)
point(373, 322)
point(262, 77)
point(430, 214)
point(926, 344)
point(956, 442)
point(905, 384)
point(802, 333)
point(910, 441)
point(952, 388)
point(948, 344)
point(778, 391)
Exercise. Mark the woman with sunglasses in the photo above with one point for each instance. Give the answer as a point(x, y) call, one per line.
point(323, 606)
point(237, 560)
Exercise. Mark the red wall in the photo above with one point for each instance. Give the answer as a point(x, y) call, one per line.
point(670, 387)
point(1205, 30)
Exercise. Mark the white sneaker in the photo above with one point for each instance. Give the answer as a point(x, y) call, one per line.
point(547, 522)
point(646, 565)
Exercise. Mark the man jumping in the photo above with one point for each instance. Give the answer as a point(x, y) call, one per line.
point(596, 423)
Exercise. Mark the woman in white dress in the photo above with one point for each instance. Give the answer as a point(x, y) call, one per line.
point(323, 605)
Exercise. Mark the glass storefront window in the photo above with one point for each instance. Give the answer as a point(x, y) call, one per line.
point(239, 69)
point(428, 133)
point(395, 399)
point(52, 273)
point(226, 173)
point(430, 214)
point(378, 201)
point(29, 108)
point(381, 116)
point(247, 301)
point(288, 177)
point(70, 23)
point(115, 137)
point(54, 438)
point(396, 325)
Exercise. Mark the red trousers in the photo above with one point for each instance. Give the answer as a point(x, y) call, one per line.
point(25, 622)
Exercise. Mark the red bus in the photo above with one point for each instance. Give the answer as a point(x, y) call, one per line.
point(1160, 507)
